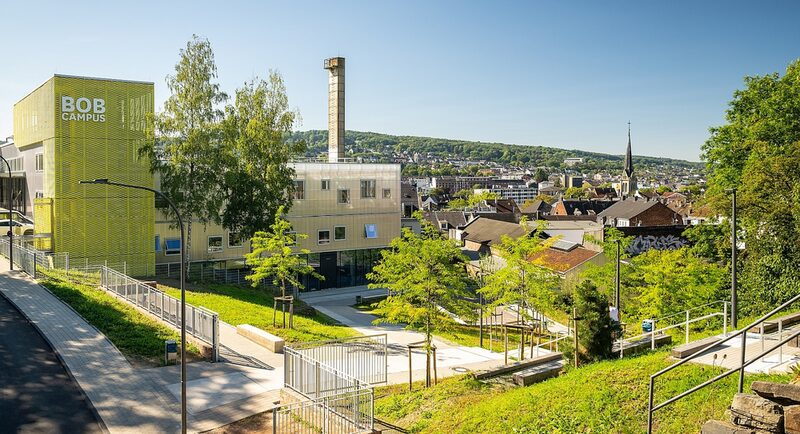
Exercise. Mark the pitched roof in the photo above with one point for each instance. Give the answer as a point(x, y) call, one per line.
point(627, 209)
point(536, 206)
point(490, 232)
point(504, 205)
point(585, 207)
point(561, 260)
point(456, 219)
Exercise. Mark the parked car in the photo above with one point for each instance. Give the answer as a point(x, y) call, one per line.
point(20, 228)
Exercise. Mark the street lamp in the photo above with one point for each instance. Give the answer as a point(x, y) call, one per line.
point(105, 181)
point(734, 301)
point(616, 283)
point(10, 218)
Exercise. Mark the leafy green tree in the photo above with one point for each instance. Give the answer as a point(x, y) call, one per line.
point(275, 257)
point(522, 280)
point(539, 175)
point(576, 193)
point(595, 325)
point(257, 172)
point(478, 199)
point(187, 150)
point(663, 189)
point(757, 151)
point(546, 199)
point(427, 280)
point(709, 241)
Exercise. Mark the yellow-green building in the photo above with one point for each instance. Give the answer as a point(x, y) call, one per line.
point(75, 128)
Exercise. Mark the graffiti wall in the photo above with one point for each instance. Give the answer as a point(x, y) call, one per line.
point(655, 237)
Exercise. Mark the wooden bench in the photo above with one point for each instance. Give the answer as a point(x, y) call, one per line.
point(519, 366)
point(772, 325)
point(260, 337)
point(686, 350)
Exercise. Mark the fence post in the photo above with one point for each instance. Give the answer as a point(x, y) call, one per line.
point(653, 336)
point(725, 318)
point(316, 380)
point(687, 326)
point(215, 337)
point(274, 416)
point(780, 338)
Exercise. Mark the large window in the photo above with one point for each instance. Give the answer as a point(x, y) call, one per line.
point(173, 246)
point(339, 233)
point(234, 240)
point(324, 236)
point(367, 188)
point(299, 190)
point(343, 196)
point(39, 162)
point(214, 243)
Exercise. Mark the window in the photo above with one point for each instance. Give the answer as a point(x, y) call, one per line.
point(343, 196)
point(299, 190)
point(443, 226)
point(234, 240)
point(371, 230)
point(339, 233)
point(214, 243)
point(173, 246)
point(39, 162)
point(325, 185)
point(387, 193)
point(324, 236)
point(367, 188)
point(158, 243)
point(39, 194)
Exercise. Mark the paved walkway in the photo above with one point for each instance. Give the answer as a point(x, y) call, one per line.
point(125, 401)
point(729, 354)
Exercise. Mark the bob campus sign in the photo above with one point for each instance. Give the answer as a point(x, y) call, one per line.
point(83, 109)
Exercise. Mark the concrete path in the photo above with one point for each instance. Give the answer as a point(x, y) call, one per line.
point(32, 379)
point(125, 401)
point(729, 354)
point(451, 359)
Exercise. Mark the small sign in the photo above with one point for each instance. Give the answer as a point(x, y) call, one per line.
point(371, 230)
point(170, 351)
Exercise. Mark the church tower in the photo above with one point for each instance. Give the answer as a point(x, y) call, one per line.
point(628, 185)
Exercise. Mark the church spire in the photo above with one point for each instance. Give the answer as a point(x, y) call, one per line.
point(628, 170)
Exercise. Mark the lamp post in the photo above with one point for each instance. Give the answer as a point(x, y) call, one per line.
point(734, 301)
point(105, 181)
point(10, 218)
point(616, 283)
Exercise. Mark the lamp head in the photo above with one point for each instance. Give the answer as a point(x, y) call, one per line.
point(95, 181)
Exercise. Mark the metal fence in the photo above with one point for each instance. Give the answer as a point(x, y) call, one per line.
point(200, 322)
point(204, 272)
point(362, 357)
point(347, 413)
point(25, 257)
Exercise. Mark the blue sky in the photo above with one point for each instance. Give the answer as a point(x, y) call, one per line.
point(561, 73)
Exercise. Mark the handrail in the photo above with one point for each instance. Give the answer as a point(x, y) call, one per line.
point(743, 332)
point(689, 310)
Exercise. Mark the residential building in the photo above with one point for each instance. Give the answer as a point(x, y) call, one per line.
point(571, 181)
point(482, 234)
point(569, 162)
point(536, 209)
point(580, 206)
point(517, 193)
point(632, 212)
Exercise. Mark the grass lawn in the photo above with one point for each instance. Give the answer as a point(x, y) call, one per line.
point(602, 397)
point(243, 305)
point(138, 337)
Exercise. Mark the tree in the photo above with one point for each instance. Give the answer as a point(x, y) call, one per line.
point(522, 280)
point(577, 193)
point(478, 199)
point(757, 151)
point(539, 175)
point(663, 189)
point(257, 172)
point(594, 324)
point(187, 151)
point(274, 257)
point(427, 280)
point(546, 199)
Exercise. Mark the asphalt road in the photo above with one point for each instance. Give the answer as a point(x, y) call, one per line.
point(36, 393)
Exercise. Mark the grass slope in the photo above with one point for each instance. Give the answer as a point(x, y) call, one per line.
point(605, 397)
point(240, 305)
point(138, 337)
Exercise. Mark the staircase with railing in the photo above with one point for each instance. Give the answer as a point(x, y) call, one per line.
point(744, 360)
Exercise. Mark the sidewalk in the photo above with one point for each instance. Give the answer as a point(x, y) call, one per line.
point(125, 401)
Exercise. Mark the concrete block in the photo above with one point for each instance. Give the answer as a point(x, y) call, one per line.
point(783, 394)
point(261, 337)
point(686, 350)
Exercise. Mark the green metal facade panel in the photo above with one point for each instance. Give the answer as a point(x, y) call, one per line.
point(98, 127)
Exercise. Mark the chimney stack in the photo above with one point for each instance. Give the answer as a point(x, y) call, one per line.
point(335, 67)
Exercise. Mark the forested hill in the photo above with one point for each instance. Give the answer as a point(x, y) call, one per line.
point(379, 147)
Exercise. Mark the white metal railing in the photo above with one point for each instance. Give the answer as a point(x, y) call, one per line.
point(25, 257)
point(200, 322)
point(362, 357)
point(347, 413)
point(686, 321)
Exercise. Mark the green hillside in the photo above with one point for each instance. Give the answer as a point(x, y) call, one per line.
point(604, 397)
point(381, 147)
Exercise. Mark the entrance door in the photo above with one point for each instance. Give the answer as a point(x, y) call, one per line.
point(328, 269)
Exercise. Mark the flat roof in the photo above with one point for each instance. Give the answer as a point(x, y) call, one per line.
point(82, 77)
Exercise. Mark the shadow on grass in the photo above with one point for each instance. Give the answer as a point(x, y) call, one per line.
point(136, 336)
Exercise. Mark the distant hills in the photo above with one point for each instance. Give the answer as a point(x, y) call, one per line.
point(379, 147)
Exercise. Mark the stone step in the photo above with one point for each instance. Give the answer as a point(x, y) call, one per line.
point(723, 427)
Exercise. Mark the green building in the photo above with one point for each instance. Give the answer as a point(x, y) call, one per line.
point(75, 128)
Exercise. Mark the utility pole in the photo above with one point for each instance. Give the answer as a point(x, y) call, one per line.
point(616, 293)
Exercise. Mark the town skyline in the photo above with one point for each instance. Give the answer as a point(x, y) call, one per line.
point(548, 75)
